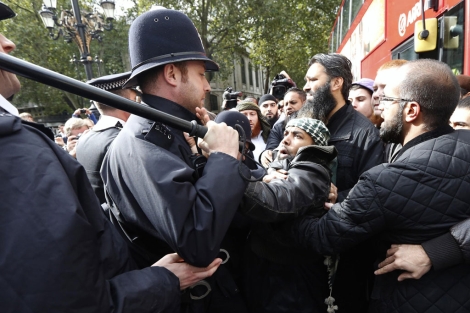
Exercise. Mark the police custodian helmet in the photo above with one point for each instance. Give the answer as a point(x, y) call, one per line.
point(6, 12)
point(163, 36)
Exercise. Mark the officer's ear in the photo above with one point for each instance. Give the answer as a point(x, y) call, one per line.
point(170, 74)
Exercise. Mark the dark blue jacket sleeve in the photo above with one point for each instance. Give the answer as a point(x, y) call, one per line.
point(191, 216)
point(58, 251)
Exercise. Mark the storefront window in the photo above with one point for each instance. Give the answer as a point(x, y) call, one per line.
point(453, 35)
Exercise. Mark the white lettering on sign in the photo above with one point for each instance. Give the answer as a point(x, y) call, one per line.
point(406, 20)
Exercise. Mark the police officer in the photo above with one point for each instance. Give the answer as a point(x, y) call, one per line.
point(93, 145)
point(162, 198)
point(58, 251)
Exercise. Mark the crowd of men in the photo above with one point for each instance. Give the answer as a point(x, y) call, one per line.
point(347, 196)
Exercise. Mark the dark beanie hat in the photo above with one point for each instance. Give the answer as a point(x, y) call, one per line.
point(232, 118)
point(266, 98)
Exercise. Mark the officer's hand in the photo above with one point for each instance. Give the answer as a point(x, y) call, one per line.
point(266, 158)
point(412, 259)
point(220, 138)
point(187, 274)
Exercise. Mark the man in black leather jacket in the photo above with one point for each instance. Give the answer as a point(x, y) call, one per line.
point(279, 275)
point(416, 198)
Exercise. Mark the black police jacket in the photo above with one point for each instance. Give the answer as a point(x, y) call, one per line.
point(59, 253)
point(148, 173)
point(171, 206)
point(418, 197)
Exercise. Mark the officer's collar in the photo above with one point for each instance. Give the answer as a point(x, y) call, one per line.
point(169, 107)
point(107, 121)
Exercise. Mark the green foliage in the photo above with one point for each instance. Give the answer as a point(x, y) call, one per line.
point(276, 35)
point(33, 44)
point(284, 35)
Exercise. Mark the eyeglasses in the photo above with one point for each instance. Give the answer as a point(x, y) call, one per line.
point(390, 99)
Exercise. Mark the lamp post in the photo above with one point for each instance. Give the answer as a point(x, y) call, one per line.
point(75, 27)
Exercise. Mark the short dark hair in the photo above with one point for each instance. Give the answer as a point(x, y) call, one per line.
point(149, 77)
point(302, 94)
point(433, 85)
point(464, 103)
point(463, 91)
point(336, 65)
point(356, 87)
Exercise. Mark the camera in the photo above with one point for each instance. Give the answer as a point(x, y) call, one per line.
point(83, 111)
point(231, 97)
point(280, 85)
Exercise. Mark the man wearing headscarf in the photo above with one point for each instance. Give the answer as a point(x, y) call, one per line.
point(279, 275)
point(260, 127)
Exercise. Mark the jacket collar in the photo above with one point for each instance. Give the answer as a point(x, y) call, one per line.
point(107, 121)
point(443, 130)
point(170, 107)
point(312, 153)
point(341, 123)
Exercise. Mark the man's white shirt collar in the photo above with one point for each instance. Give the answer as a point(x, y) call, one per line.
point(107, 121)
point(7, 106)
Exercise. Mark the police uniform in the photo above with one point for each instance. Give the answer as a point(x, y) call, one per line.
point(92, 146)
point(163, 200)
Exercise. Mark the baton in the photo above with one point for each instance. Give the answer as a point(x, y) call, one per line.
point(53, 79)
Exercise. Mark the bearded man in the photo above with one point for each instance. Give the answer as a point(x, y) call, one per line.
point(359, 147)
point(419, 196)
point(328, 81)
point(293, 100)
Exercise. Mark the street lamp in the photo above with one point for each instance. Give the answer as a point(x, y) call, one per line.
point(70, 27)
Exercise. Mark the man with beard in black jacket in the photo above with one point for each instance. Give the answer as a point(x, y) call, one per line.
point(414, 199)
point(359, 147)
point(59, 253)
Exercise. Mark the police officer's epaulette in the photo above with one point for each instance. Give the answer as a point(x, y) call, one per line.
point(160, 135)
